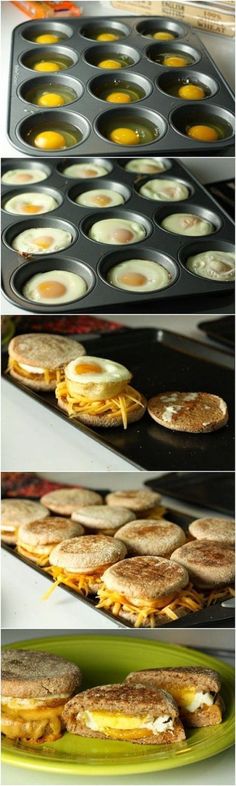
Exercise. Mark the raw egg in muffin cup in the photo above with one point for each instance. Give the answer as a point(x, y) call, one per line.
point(51, 95)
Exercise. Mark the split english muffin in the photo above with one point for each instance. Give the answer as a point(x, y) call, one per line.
point(125, 712)
point(192, 412)
point(147, 591)
point(37, 539)
point(97, 392)
point(103, 518)
point(209, 564)
point(16, 512)
point(80, 562)
point(35, 687)
point(195, 690)
point(38, 359)
point(217, 529)
point(151, 536)
point(66, 501)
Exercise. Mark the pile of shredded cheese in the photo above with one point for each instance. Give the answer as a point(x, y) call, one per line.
point(121, 404)
point(53, 375)
point(80, 582)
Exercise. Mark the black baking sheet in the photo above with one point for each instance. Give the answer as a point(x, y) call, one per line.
point(161, 361)
point(221, 330)
point(90, 113)
point(92, 260)
point(216, 614)
point(215, 491)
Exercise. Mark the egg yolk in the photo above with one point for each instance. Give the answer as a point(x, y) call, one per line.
point(163, 35)
point(192, 92)
point(47, 38)
point(118, 98)
point(101, 199)
point(46, 65)
point(50, 140)
point(109, 64)
point(24, 178)
point(30, 208)
point(44, 241)
point(90, 172)
point(50, 99)
point(122, 235)
point(133, 279)
point(203, 133)
point(175, 61)
point(124, 136)
point(50, 289)
point(107, 37)
point(88, 368)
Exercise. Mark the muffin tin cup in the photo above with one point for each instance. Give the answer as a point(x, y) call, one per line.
point(165, 176)
point(115, 212)
point(29, 269)
point(91, 29)
point(175, 207)
point(44, 82)
point(100, 82)
point(192, 114)
point(11, 232)
point(171, 47)
point(34, 29)
point(88, 107)
point(47, 52)
point(196, 77)
point(114, 118)
point(190, 250)
point(98, 257)
point(48, 119)
point(34, 189)
point(108, 261)
point(91, 185)
point(147, 27)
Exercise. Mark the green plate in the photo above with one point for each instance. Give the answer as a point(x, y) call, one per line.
point(105, 659)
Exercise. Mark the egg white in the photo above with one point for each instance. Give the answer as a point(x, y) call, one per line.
point(111, 371)
point(162, 190)
point(81, 170)
point(217, 265)
point(176, 223)
point(142, 165)
point(25, 241)
point(87, 197)
point(103, 231)
point(157, 276)
point(16, 204)
point(76, 287)
point(13, 176)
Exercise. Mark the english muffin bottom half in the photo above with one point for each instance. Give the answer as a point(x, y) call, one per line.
point(79, 563)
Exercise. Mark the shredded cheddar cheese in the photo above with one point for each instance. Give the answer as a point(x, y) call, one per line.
point(121, 404)
point(168, 606)
point(83, 583)
point(40, 559)
point(48, 376)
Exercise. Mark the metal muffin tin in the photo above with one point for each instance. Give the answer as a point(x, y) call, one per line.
point(210, 615)
point(91, 259)
point(89, 113)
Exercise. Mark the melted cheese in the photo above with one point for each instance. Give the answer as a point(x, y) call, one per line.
point(107, 722)
point(34, 724)
point(167, 606)
point(29, 372)
point(81, 582)
point(121, 404)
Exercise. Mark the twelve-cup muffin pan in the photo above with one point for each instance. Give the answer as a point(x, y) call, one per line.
point(90, 115)
point(92, 260)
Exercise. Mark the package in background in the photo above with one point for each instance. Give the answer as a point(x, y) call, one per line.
point(209, 17)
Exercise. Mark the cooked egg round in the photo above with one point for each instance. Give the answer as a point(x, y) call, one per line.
point(43, 240)
point(100, 197)
point(203, 133)
point(164, 190)
point(139, 275)
point(124, 136)
point(85, 170)
point(95, 369)
point(109, 64)
point(187, 224)
point(19, 177)
point(31, 204)
point(50, 140)
point(117, 231)
point(217, 265)
point(55, 286)
point(145, 166)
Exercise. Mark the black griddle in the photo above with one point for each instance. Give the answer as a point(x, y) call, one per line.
point(215, 491)
point(216, 615)
point(160, 360)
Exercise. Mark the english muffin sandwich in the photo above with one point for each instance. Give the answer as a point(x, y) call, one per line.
point(151, 536)
point(80, 562)
point(217, 529)
point(141, 501)
point(16, 512)
point(66, 501)
point(195, 690)
point(147, 591)
point(192, 412)
point(102, 518)
point(37, 539)
point(125, 712)
point(35, 687)
point(97, 392)
point(38, 359)
point(209, 564)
